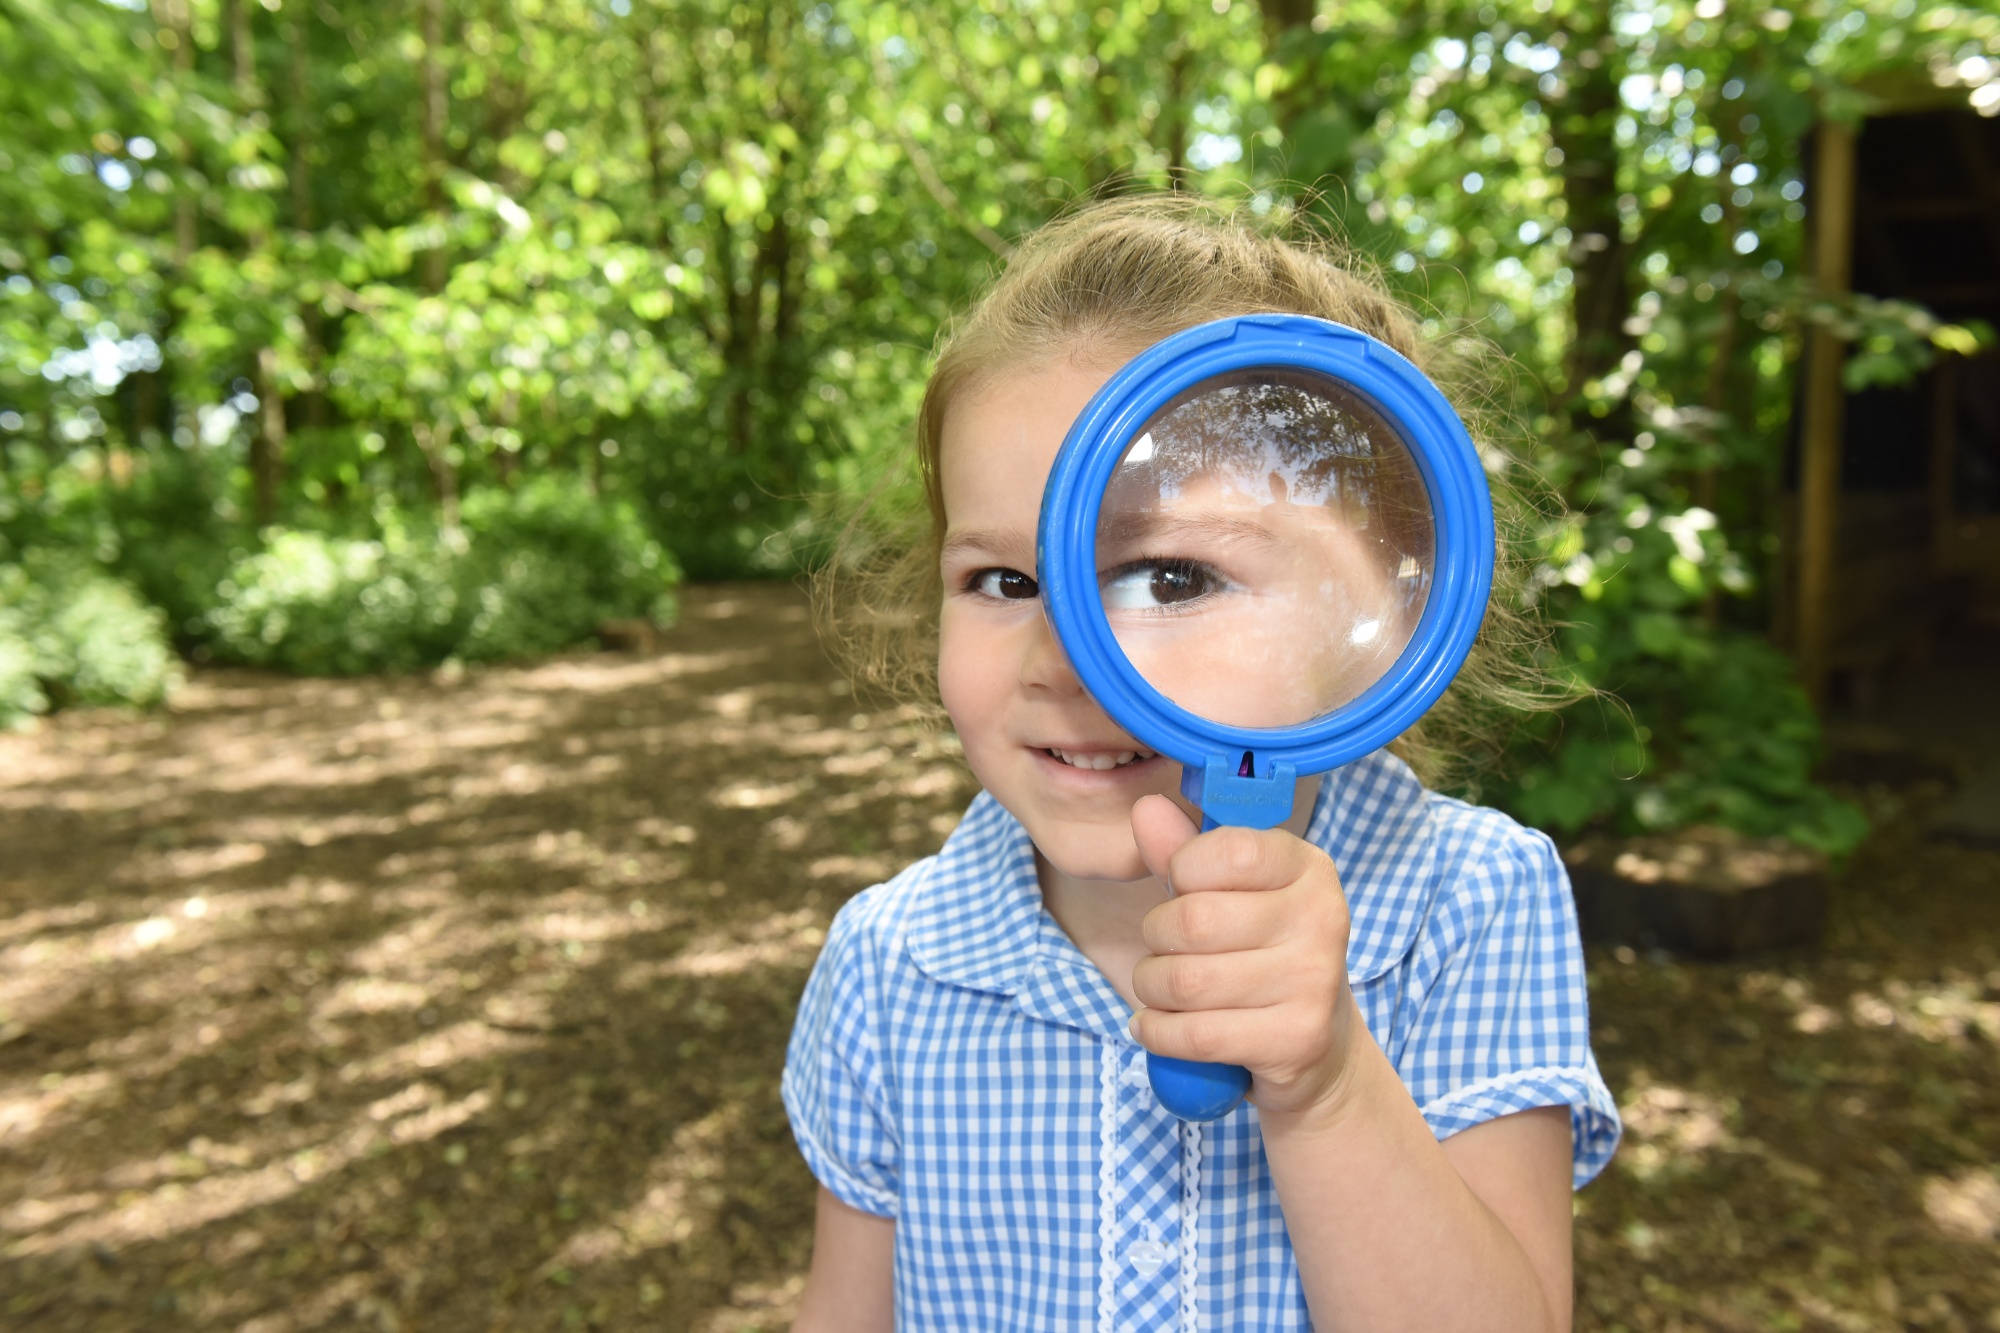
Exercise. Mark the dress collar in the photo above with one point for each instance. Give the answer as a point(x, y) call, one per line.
point(982, 925)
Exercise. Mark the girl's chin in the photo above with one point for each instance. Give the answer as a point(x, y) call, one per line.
point(1068, 857)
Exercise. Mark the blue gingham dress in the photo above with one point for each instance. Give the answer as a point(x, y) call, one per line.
point(959, 1066)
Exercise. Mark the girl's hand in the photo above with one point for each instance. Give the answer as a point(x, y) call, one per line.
point(1248, 960)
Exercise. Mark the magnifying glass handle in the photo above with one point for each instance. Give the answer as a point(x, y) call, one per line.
point(1197, 1089)
point(1204, 1090)
point(1200, 1090)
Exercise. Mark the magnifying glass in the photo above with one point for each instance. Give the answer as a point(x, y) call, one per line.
point(1266, 547)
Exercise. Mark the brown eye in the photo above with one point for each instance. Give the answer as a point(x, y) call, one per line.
point(1151, 585)
point(1007, 585)
point(1180, 581)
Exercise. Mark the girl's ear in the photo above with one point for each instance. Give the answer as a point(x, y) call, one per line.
point(1159, 827)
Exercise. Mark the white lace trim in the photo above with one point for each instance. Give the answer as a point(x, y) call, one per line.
point(1190, 1222)
point(1107, 1184)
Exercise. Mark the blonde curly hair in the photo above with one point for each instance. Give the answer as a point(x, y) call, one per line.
point(1118, 275)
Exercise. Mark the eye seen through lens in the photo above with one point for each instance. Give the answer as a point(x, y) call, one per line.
point(1265, 548)
point(1158, 585)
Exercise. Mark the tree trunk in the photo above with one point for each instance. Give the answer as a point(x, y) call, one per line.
point(432, 110)
point(145, 407)
point(1584, 124)
point(1282, 16)
point(652, 118)
point(267, 442)
point(174, 24)
point(302, 125)
point(176, 32)
point(267, 438)
point(784, 369)
point(313, 404)
point(739, 340)
point(1327, 183)
point(242, 46)
point(434, 442)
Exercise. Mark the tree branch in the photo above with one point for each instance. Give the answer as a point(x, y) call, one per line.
point(933, 183)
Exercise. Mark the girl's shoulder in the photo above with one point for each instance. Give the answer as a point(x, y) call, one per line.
point(957, 915)
point(1410, 857)
point(979, 861)
point(881, 914)
point(1374, 814)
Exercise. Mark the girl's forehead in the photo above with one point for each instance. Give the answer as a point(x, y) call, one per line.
point(1014, 418)
point(1094, 361)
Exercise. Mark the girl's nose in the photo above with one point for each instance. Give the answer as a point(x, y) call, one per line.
point(1045, 666)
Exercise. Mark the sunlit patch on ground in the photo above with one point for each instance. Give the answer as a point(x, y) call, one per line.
point(460, 1004)
point(1965, 1206)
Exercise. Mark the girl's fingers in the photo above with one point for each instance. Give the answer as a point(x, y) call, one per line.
point(1219, 922)
point(1274, 1043)
point(1160, 828)
point(1244, 980)
point(1242, 860)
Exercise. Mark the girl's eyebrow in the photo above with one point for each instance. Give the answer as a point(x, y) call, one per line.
point(1001, 542)
point(1146, 524)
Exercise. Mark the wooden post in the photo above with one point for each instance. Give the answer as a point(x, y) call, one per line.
point(1825, 406)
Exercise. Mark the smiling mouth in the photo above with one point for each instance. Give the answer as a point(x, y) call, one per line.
point(1102, 761)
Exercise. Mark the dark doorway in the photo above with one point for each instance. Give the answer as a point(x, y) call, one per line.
point(1919, 520)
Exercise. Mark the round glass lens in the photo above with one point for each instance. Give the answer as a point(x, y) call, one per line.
point(1265, 548)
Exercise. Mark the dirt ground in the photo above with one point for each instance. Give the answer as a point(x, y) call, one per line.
point(459, 1004)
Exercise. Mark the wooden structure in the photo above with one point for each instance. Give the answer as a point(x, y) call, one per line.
point(1897, 518)
point(1706, 892)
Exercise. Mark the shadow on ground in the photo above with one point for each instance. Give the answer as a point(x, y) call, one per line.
point(435, 1005)
point(442, 1005)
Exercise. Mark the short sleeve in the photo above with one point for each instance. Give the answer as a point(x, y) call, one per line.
point(1503, 1023)
point(833, 1087)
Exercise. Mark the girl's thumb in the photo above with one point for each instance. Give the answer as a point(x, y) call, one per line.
point(1159, 827)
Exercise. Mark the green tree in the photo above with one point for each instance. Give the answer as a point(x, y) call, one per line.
point(355, 269)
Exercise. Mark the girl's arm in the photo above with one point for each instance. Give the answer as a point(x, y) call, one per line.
point(850, 1285)
point(1392, 1230)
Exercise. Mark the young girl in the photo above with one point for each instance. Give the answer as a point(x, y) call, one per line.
point(1399, 971)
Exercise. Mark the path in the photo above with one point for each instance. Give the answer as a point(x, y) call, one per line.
point(459, 1005)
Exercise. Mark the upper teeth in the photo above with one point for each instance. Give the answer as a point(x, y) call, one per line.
point(1100, 761)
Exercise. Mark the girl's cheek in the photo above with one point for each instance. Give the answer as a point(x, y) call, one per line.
point(958, 680)
point(968, 703)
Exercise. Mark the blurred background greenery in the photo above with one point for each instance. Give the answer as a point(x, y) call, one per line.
point(342, 337)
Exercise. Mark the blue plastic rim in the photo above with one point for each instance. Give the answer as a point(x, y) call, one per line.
point(1461, 507)
point(1066, 567)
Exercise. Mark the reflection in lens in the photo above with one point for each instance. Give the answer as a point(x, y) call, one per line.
point(1265, 548)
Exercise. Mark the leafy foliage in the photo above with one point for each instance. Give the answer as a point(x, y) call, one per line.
point(71, 634)
point(338, 606)
point(313, 268)
point(529, 573)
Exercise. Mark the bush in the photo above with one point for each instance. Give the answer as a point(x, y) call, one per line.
point(172, 542)
point(528, 573)
point(334, 606)
point(1728, 739)
point(72, 634)
point(546, 564)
